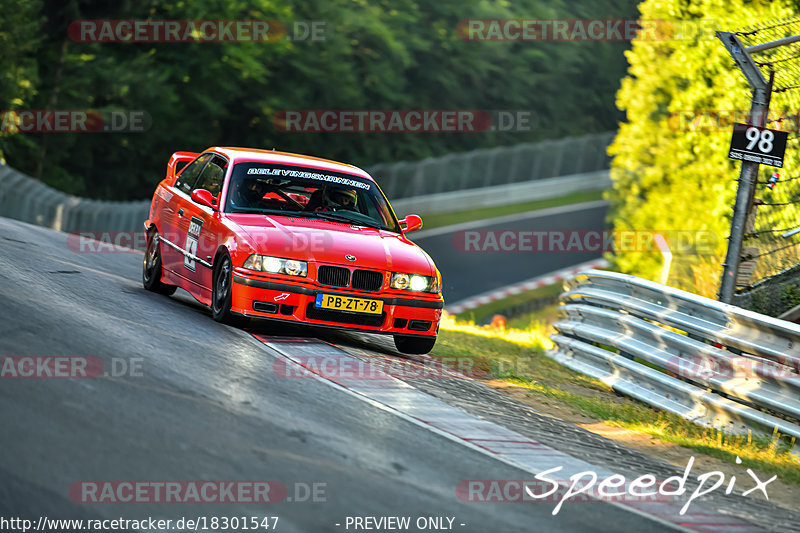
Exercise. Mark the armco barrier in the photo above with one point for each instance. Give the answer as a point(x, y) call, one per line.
point(479, 178)
point(500, 195)
point(492, 167)
point(24, 198)
point(712, 363)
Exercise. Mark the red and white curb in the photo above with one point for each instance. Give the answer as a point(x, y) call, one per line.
point(528, 285)
point(490, 439)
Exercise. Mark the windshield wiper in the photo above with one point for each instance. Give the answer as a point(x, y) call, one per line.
point(294, 214)
point(341, 217)
point(268, 211)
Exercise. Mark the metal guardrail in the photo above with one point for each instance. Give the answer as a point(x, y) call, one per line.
point(27, 199)
point(500, 195)
point(709, 362)
point(30, 200)
point(490, 167)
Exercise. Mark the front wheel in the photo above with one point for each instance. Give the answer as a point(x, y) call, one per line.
point(222, 292)
point(414, 345)
point(151, 267)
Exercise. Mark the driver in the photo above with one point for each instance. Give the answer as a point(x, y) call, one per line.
point(250, 192)
point(340, 199)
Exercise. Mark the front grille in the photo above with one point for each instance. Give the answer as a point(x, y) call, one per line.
point(330, 315)
point(367, 280)
point(333, 276)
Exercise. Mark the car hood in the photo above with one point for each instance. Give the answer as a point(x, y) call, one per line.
point(331, 242)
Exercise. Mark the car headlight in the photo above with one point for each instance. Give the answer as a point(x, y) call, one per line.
point(276, 265)
point(414, 282)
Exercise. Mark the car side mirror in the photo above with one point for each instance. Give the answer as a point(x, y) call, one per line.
point(204, 197)
point(411, 223)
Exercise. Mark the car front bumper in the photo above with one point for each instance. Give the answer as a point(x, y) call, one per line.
point(286, 299)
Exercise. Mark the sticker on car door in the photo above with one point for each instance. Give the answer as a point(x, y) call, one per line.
point(192, 237)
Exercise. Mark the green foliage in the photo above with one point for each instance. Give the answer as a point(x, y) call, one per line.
point(790, 295)
point(669, 177)
point(20, 38)
point(398, 54)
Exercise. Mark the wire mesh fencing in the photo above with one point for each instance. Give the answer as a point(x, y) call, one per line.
point(770, 239)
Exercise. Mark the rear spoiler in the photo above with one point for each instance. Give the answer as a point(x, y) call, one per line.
point(176, 158)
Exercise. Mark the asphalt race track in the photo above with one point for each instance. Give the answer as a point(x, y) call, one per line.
point(205, 404)
point(467, 273)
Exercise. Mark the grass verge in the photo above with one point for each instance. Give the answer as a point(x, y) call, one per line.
point(446, 219)
point(487, 310)
point(517, 356)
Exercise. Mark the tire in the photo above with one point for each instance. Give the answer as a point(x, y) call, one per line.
point(151, 267)
point(414, 345)
point(222, 292)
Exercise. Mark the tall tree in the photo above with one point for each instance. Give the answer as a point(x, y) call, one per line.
point(390, 54)
point(670, 171)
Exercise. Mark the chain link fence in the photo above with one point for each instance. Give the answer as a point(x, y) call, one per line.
point(777, 206)
point(772, 234)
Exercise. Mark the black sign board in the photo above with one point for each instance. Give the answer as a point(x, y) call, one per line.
point(758, 145)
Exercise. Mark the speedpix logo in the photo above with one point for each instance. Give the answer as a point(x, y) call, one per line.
point(588, 486)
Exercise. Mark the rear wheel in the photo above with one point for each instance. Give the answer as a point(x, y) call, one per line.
point(414, 345)
point(222, 292)
point(151, 267)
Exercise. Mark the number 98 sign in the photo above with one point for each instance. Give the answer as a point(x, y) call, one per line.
point(758, 145)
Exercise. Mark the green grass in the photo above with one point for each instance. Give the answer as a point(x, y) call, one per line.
point(446, 219)
point(517, 357)
point(546, 314)
point(479, 313)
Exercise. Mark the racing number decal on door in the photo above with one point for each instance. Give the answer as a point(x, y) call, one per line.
point(191, 242)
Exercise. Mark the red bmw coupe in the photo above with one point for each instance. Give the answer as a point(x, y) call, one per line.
point(273, 235)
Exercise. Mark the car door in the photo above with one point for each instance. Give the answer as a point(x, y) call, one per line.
point(174, 221)
point(202, 231)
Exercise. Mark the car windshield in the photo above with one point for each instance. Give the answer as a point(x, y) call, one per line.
point(307, 192)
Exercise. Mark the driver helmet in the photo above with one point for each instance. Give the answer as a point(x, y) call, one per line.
point(251, 191)
point(341, 198)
